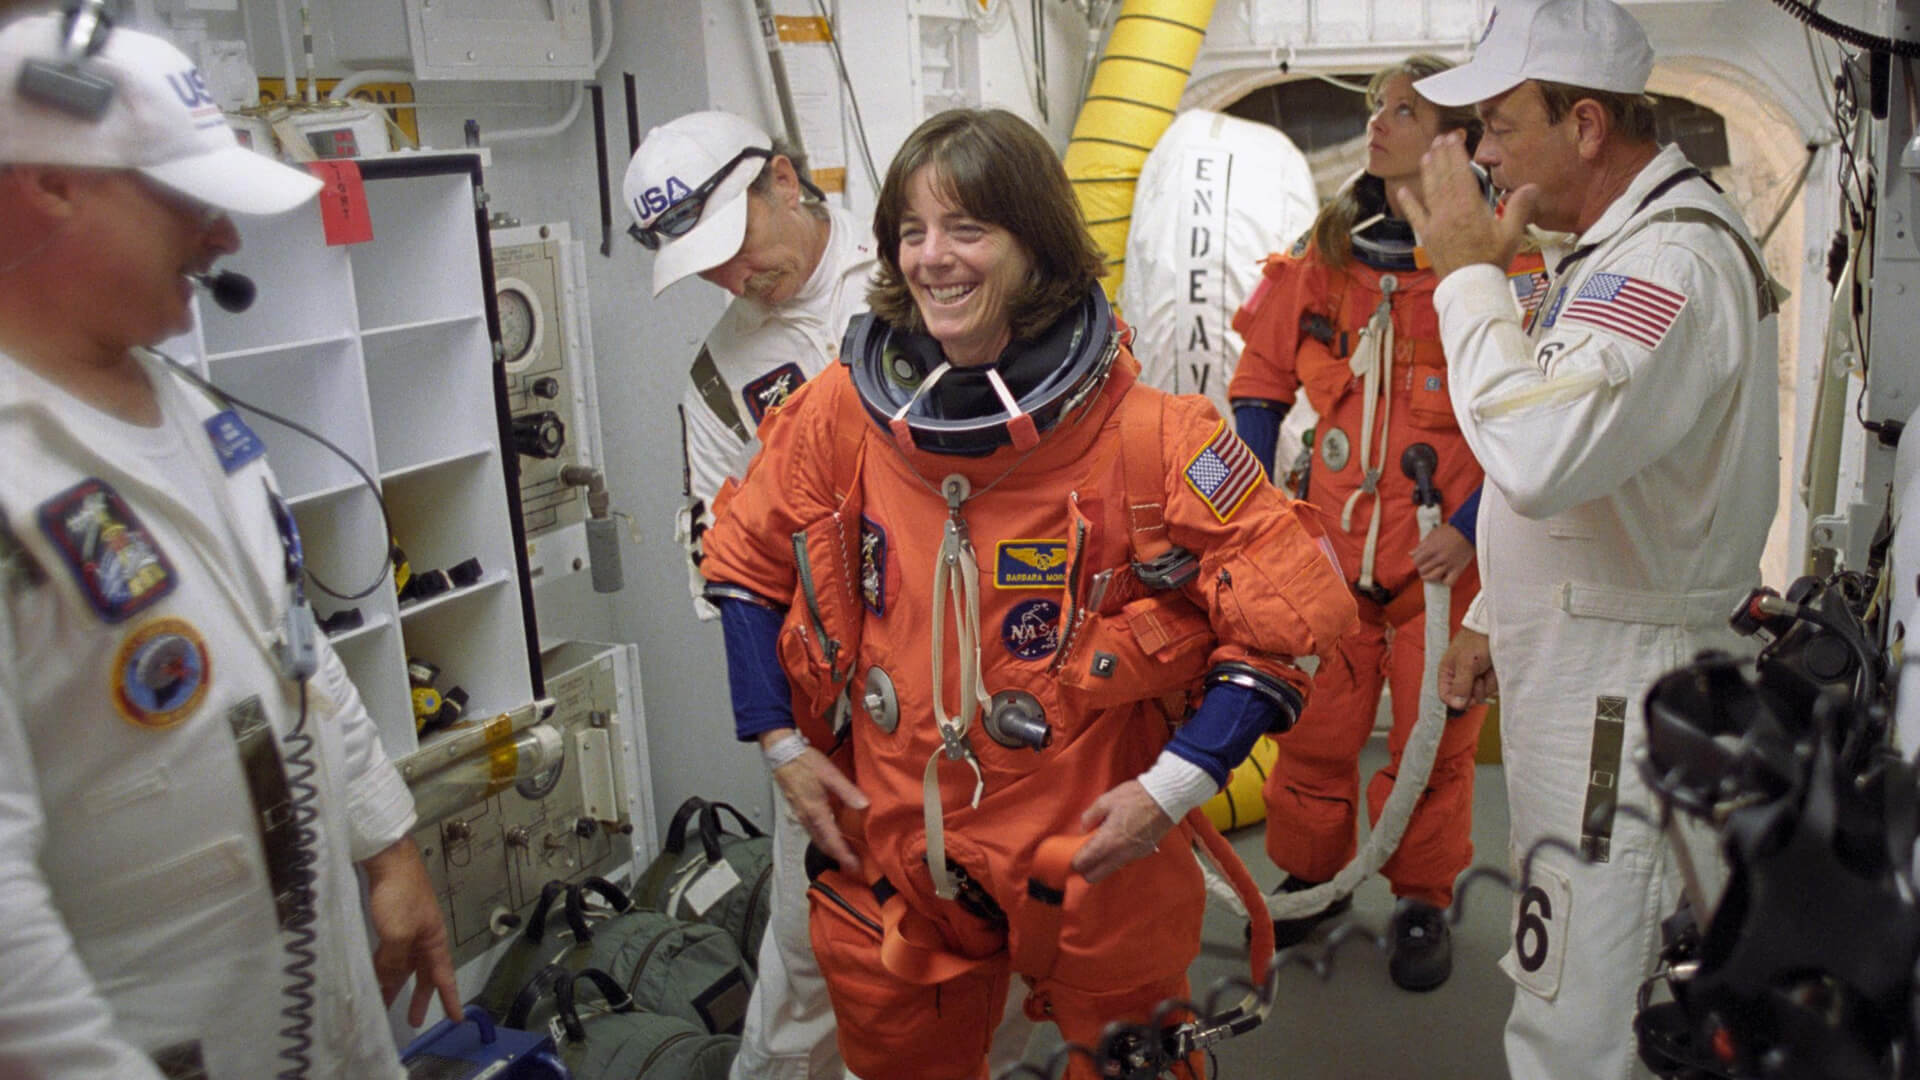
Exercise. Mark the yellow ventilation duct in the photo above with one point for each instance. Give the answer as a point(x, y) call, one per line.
point(1131, 100)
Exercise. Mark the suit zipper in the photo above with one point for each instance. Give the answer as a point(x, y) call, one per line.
point(829, 648)
point(843, 904)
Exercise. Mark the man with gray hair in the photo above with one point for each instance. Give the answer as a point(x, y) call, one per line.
point(1629, 435)
point(184, 792)
point(713, 195)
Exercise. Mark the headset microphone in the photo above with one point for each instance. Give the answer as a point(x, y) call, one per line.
point(233, 292)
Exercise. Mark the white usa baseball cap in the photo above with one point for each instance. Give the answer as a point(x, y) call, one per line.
point(686, 189)
point(160, 121)
point(1593, 44)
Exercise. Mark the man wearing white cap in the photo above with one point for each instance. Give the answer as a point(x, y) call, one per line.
point(182, 802)
point(1630, 439)
point(713, 195)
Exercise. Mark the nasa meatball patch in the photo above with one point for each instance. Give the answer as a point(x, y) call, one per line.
point(114, 559)
point(1031, 630)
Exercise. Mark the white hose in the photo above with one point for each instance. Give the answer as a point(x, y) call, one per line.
point(292, 78)
point(1416, 764)
point(575, 99)
point(359, 79)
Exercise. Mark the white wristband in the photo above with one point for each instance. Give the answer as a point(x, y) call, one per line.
point(784, 750)
point(1177, 785)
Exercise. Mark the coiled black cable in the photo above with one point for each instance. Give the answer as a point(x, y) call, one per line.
point(299, 925)
point(386, 519)
point(1845, 34)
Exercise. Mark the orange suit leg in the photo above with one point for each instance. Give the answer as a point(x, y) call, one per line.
point(1313, 792)
point(888, 1028)
point(1438, 843)
point(1084, 1014)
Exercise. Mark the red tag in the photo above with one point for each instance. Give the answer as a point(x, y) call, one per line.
point(343, 202)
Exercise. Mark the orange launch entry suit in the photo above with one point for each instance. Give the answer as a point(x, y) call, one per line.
point(844, 523)
point(1313, 790)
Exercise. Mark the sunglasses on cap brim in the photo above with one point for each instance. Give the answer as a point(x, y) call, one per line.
point(680, 218)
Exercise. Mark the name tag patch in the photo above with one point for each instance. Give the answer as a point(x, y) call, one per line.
point(1030, 564)
point(114, 559)
point(233, 441)
point(161, 673)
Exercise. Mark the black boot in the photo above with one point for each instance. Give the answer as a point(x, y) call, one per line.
point(1422, 946)
point(1294, 931)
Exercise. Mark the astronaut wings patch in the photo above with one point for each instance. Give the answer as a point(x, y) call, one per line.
point(1224, 472)
point(1637, 310)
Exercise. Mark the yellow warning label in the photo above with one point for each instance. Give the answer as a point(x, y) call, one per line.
point(802, 29)
point(833, 179)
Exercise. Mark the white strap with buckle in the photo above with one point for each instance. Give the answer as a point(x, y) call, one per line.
point(1373, 364)
point(956, 573)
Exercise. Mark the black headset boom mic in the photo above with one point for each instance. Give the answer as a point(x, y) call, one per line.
point(233, 292)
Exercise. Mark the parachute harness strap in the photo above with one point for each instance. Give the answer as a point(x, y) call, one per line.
point(1373, 364)
point(956, 574)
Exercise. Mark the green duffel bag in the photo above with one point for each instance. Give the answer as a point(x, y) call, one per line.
point(724, 881)
point(691, 970)
point(553, 935)
point(625, 1043)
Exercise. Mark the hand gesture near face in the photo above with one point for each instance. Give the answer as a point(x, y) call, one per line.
point(1450, 214)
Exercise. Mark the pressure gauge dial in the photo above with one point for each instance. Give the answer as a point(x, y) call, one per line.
point(520, 323)
point(541, 784)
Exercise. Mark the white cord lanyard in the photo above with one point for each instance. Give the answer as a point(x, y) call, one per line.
point(1373, 364)
point(956, 572)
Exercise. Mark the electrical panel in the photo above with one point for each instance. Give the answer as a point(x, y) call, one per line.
point(467, 39)
point(945, 54)
point(589, 815)
point(545, 355)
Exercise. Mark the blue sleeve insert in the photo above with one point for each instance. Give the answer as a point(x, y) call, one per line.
point(1467, 518)
point(1259, 427)
point(1222, 730)
point(762, 700)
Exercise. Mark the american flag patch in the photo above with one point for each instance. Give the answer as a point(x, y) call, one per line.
point(1639, 311)
point(1529, 291)
point(1224, 472)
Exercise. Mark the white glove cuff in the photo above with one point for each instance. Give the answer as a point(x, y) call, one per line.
point(1475, 618)
point(784, 750)
point(1178, 785)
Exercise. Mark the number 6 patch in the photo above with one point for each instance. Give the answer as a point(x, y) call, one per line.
point(1542, 911)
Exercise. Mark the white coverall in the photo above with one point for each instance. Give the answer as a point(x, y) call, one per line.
point(762, 354)
point(1632, 459)
point(137, 910)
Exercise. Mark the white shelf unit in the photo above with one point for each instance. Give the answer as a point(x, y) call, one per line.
point(386, 349)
